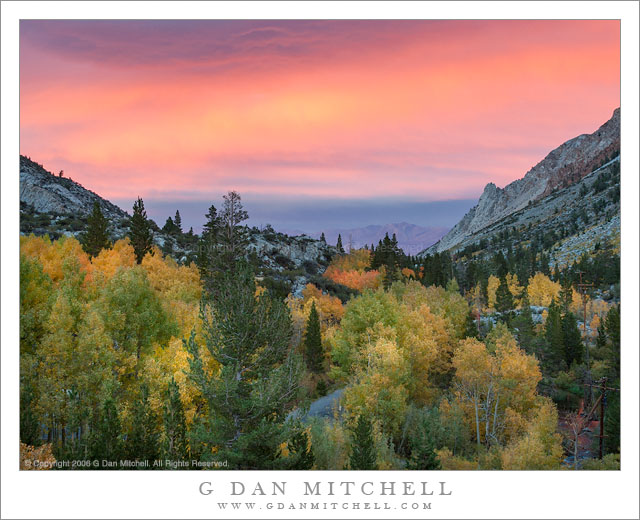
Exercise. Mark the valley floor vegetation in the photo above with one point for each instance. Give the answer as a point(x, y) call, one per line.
point(445, 363)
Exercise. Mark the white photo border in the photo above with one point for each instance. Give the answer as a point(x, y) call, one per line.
point(131, 494)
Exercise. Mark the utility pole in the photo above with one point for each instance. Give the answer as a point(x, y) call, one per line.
point(602, 400)
point(582, 289)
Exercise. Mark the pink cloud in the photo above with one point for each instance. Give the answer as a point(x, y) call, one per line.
point(348, 109)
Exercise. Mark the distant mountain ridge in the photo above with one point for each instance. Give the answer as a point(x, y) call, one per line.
point(411, 237)
point(562, 167)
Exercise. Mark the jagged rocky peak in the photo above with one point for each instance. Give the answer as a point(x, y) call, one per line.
point(561, 168)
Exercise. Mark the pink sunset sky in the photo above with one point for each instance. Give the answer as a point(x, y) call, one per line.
point(179, 112)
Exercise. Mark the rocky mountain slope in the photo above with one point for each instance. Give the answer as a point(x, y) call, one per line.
point(57, 206)
point(561, 168)
point(569, 222)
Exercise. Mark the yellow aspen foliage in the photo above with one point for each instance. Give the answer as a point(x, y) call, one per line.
point(330, 311)
point(595, 324)
point(109, 261)
point(515, 289)
point(492, 287)
point(449, 305)
point(450, 462)
point(426, 345)
point(576, 303)
point(172, 361)
point(542, 290)
point(57, 353)
point(487, 384)
point(515, 425)
point(519, 374)
point(53, 255)
point(540, 448)
point(171, 280)
point(36, 458)
point(474, 297)
point(379, 390)
point(357, 260)
point(330, 308)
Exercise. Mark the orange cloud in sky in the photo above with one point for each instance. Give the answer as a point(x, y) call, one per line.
point(424, 110)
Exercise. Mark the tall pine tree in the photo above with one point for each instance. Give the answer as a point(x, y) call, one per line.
point(208, 245)
point(339, 245)
point(106, 441)
point(178, 222)
point(363, 451)
point(233, 234)
point(504, 299)
point(313, 341)
point(140, 232)
point(249, 336)
point(96, 237)
point(573, 346)
point(423, 455)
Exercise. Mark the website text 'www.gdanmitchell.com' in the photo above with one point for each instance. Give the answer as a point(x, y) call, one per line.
point(323, 505)
point(326, 496)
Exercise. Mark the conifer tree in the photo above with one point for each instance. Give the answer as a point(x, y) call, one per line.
point(601, 340)
point(423, 455)
point(554, 336)
point(175, 426)
point(96, 237)
point(339, 245)
point(612, 325)
point(573, 347)
point(140, 232)
point(207, 248)
point(142, 443)
point(504, 299)
point(313, 341)
point(566, 296)
point(471, 326)
point(322, 238)
point(300, 450)
point(233, 236)
point(249, 336)
point(169, 226)
point(524, 323)
point(106, 442)
point(178, 222)
point(29, 427)
point(363, 452)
